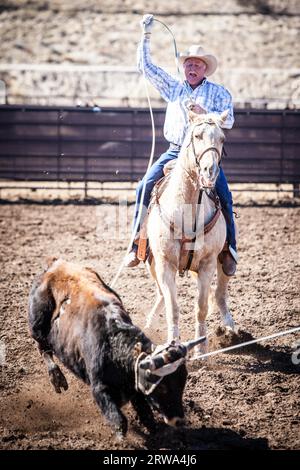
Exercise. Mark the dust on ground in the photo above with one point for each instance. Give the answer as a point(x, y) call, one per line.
point(247, 399)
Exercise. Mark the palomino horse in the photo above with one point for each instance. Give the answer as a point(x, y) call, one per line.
point(196, 169)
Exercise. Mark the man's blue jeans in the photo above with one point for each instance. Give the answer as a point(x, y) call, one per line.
point(156, 172)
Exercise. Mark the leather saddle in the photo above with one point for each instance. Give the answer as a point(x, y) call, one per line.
point(186, 255)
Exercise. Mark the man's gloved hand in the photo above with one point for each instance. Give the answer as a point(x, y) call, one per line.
point(196, 108)
point(147, 23)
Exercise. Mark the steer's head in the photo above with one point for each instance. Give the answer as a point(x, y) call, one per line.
point(162, 375)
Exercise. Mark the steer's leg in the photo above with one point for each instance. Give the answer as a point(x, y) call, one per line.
point(109, 408)
point(221, 298)
point(41, 307)
point(205, 274)
point(56, 376)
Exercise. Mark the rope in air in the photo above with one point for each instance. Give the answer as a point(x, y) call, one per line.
point(141, 205)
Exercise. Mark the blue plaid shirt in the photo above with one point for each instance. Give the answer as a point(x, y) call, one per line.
point(210, 96)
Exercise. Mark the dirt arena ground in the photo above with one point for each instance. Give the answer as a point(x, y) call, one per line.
point(247, 400)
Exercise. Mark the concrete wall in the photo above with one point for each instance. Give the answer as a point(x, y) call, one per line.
point(80, 43)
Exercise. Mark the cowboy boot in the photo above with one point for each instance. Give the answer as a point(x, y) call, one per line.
point(131, 260)
point(228, 260)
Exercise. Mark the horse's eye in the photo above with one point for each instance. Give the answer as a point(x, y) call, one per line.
point(198, 136)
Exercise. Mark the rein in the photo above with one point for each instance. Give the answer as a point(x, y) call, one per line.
point(197, 160)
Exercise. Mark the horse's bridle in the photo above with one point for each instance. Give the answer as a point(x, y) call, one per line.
point(215, 149)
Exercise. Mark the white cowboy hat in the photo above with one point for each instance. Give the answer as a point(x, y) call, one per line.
point(199, 53)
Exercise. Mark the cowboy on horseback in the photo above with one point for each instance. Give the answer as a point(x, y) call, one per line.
point(202, 96)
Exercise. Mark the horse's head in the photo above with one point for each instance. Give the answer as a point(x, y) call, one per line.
point(205, 146)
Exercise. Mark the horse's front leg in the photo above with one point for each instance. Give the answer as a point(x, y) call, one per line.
point(165, 275)
point(204, 279)
point(221, 298)
point(159, 303)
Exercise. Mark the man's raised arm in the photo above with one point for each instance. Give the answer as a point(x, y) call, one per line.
point(161, 80)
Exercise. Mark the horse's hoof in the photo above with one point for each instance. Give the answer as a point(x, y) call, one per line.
point(228, 323)
point(147, 325)
point(230, 328)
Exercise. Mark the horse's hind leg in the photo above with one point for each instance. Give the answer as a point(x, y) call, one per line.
point(159, 303)
point(221, 298)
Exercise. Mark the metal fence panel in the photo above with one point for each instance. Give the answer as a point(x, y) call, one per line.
point(88, 144)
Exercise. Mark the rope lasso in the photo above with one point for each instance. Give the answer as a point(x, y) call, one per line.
point(141, 205)
point(176, 53)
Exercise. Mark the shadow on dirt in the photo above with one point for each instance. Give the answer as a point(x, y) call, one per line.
point(279, 360)
point(201, 439)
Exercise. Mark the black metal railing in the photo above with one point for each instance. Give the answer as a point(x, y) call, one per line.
point(72, 144)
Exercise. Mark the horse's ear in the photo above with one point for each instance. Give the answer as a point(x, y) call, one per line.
point(224, 116)
point(49, 261)
point(193, 117)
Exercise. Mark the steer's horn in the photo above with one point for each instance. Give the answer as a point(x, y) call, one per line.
point(194, 342)
point(172, 353)
point(154, 362)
